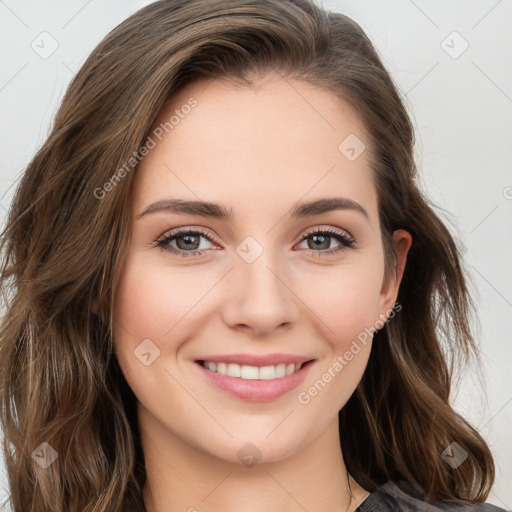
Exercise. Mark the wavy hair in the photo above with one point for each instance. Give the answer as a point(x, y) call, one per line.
point(64, 244)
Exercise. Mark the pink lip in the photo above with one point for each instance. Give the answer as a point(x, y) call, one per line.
point(255, 390)
point(257, 360)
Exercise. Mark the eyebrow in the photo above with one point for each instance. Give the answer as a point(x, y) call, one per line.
point(217, 211)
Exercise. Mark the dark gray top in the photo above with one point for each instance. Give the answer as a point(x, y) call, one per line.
point(401, 497)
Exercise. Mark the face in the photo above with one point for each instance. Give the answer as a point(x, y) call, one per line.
point(275, 283)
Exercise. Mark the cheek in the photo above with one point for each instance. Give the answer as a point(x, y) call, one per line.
point(146, 307)
point(346, 300)
point(154, 304)
point(347, 307)
point(151, 301)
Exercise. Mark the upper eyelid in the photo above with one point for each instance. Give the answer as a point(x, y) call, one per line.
point(320, 229)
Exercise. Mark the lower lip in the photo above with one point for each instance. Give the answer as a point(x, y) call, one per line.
point(255, 390)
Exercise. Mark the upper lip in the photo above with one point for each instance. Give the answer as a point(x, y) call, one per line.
point(257, 360)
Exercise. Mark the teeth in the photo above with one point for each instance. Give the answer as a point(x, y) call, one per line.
point(252, 372)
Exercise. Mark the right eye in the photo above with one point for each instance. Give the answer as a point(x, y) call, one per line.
point(187, 242)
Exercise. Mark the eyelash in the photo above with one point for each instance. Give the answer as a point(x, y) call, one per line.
point(341, 236)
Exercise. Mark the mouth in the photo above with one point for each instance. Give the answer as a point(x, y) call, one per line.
point(254, 383)
point(248, 372)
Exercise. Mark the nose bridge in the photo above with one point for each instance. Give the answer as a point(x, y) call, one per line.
point(263, 276)
point(261, 299)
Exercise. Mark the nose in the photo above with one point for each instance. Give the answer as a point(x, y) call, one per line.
point(261, 297)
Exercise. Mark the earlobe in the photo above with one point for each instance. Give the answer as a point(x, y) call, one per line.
point(402, 241)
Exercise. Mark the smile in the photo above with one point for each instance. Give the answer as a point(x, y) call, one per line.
point(254, 383)
point(252, 372)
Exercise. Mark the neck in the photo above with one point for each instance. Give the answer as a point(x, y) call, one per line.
point(181, 477)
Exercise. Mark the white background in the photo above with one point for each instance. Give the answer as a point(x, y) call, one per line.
point(461, 107)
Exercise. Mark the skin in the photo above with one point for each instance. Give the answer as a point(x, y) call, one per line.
point(257, 151)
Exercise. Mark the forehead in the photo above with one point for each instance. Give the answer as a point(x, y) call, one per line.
point(278, 142)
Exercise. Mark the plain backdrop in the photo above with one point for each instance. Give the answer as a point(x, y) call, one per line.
point(451, 61)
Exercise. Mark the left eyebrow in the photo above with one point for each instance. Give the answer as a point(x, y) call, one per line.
point(328, 204)
point(217, 211)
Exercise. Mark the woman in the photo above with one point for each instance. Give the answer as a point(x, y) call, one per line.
point(224, 289)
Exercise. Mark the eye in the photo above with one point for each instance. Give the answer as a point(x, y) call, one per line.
point(187, 242)
point(321, 239)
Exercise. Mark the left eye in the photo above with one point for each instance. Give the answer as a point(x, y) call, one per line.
point(188, 241)
point(323, 237)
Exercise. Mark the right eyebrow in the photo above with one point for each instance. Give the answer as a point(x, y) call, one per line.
point(200, 208)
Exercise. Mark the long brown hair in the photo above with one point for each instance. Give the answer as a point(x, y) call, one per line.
point(68, 229)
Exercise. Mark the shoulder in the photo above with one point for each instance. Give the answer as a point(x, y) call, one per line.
point(402, 497)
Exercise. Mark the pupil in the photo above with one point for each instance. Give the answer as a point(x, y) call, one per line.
point(188, 241)
point(323, 240)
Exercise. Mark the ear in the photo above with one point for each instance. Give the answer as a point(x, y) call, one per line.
point(402, 242)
